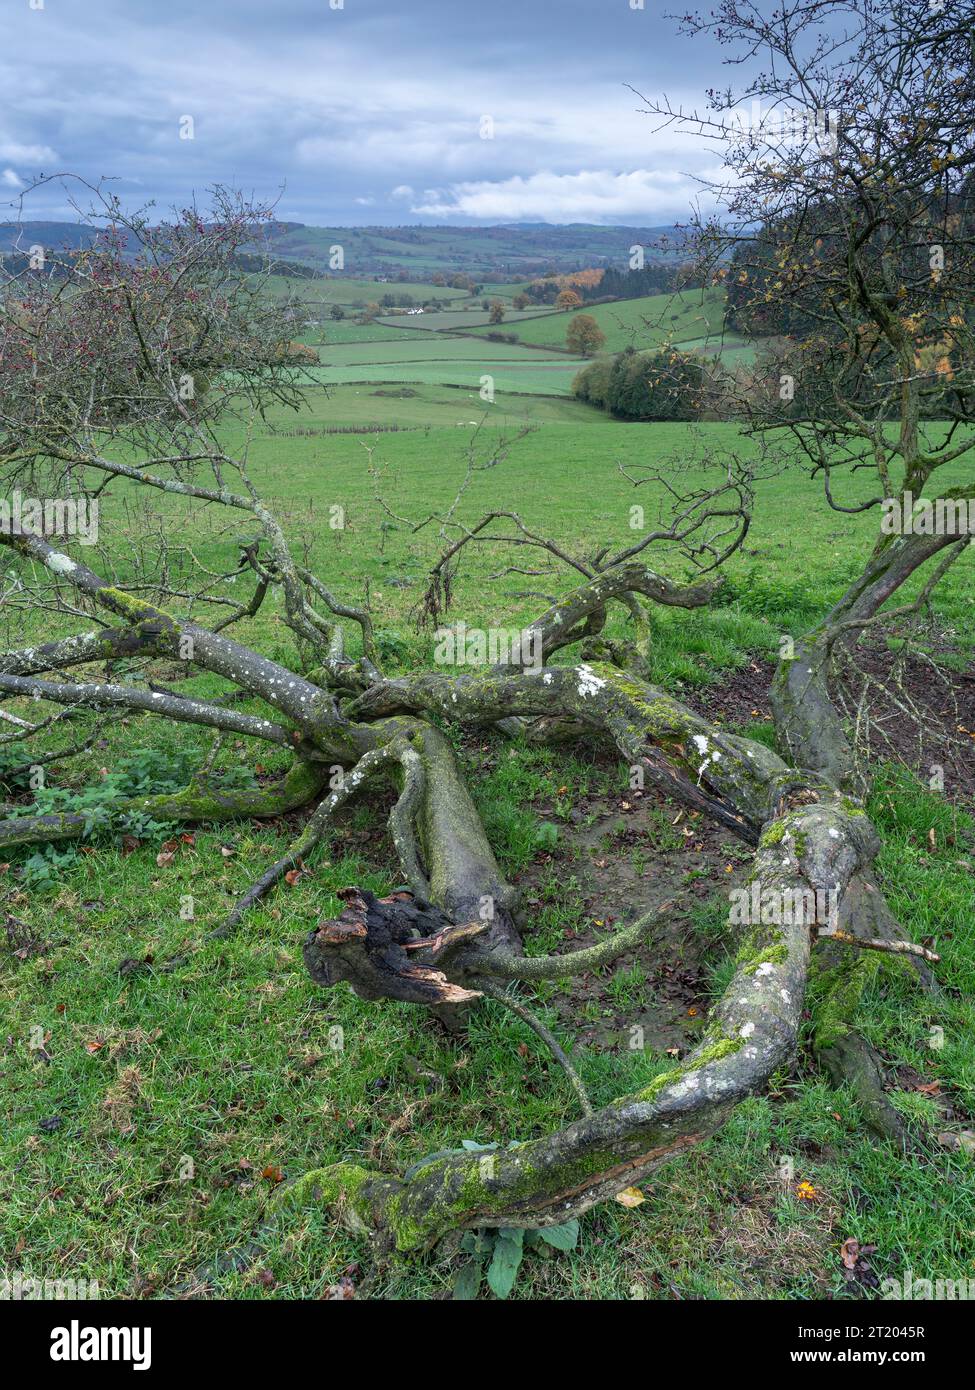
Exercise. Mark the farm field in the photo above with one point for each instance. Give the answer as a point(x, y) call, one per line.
point(638, 323)
point(534, 373)
point(352, 292)
point(434, 321)
point(422, 347)
point(419, 406)
point(227, 1062)
point(348, 330)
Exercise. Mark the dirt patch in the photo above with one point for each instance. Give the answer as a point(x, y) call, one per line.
point(624, 856)
point(922, 711)
point(922, 715)
point(739, 698)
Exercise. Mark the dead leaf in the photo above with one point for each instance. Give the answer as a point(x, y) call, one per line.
point(849, 1252)
point(630, 1197)
point(855, 1264)
point(965, 1140)
point(342, 1290)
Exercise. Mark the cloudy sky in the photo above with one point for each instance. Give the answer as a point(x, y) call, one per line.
point(357, 111)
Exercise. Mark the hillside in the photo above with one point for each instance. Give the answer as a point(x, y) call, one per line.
point(638, 323)
point(486, 253)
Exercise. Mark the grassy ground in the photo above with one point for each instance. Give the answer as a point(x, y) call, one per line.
point(349, 291)
point(639, 323)
point(425, 406)
point(456, 364)
point(461, 319)
point(148, 1117)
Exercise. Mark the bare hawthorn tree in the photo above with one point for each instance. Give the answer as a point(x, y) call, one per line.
point(155, 305)
point(844, 233)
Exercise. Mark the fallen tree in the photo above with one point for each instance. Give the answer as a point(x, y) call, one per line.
point(95, 398)
point(453, 937)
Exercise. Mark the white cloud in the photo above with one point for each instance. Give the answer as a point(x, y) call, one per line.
point(403, 190)
point(595, 195)
point(27, 154)
point(11, 180)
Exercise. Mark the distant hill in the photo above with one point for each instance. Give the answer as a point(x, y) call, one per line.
point(516, 251)
point(519, 251)
point(55, 236)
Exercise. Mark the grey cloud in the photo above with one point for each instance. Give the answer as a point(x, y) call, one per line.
point(337, 110)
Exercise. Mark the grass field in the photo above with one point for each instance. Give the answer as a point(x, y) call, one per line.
point(353, 292)
point(638, 323)
point(459, 320)
point(424, 407)
point(532, 373)
point(151, 1124)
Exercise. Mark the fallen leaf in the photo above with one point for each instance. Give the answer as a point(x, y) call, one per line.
point(855, 1264)
point(342, 1290)
point(630, 1197)
point(849, 1252)
point(965, 1140)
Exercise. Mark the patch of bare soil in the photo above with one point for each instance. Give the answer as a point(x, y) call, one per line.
point(629, 855)
point(922, 713)
point(739, 698)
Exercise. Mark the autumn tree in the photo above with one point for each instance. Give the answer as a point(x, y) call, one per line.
point(584, 336)
point(567, 299)
point(497, 311)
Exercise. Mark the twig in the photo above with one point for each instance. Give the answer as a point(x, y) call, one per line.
point(494, 991)
point(877, 943)
point(510, 967)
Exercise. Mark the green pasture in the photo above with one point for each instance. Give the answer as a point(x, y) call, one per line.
point(151, 1116)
